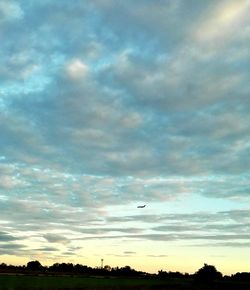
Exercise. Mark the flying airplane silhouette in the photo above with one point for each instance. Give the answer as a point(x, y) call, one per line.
point(141, 206)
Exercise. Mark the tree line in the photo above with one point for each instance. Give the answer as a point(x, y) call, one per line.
point(207, 273)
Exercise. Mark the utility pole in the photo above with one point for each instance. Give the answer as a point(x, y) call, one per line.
point(101, 263)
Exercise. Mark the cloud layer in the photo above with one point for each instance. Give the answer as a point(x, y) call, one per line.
point(108, 104)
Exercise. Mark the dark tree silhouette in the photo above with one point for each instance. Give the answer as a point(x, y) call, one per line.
point(206, 277)
point(170, 274)
point(34, 265)
point(208, 273)
point(244, 276)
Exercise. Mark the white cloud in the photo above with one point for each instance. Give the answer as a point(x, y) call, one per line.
point(223, 22)
point(10, 10)
point(9, 182)
point(132, 120)
point(77, 70)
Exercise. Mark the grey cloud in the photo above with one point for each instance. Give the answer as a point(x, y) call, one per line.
point(198, 218)
point(237, 215)
point(55, 238)
point(129, 252)
point(158, 256)
point(223, 244)
point(173, 237)
point(177, 228)
point(230, 225)
point(10, 11)
point(147, 20)
point(151, 218)
point(6, 237)
point(11, 246)
point(161, 112)
point(124, 254)
point(67, 253)
point(232, 228)
point(177, 141)
point(100, 135)
point(233, 244)
point(46, 249)
point(104, 230)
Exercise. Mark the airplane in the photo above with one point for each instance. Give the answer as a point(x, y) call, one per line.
point(141, 206)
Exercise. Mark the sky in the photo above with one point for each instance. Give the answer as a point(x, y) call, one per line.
point(108, 104)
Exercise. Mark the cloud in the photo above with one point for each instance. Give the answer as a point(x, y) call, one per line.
point(228, 17)
point(6, 237)
point(129, 252)
point(104, 105)
point(12, 249)
point(55, 238)
point(76, 69)
point(172, 238)
point(112, 120)
point(47, 249)
point(226, 244)
point(158, 256)
point(11, 246)
point(10, 10)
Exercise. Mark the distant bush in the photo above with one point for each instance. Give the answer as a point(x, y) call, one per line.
point(164, 274)
point(244, 276)
point(34, 266)
point(208, 273)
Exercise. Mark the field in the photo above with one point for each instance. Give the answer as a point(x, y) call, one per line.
point(29, 282)
point(21, 282)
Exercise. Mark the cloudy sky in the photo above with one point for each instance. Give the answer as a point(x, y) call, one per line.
point(109, 104)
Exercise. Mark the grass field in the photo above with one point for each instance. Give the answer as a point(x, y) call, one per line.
point(19, 282)
point(23, 282)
